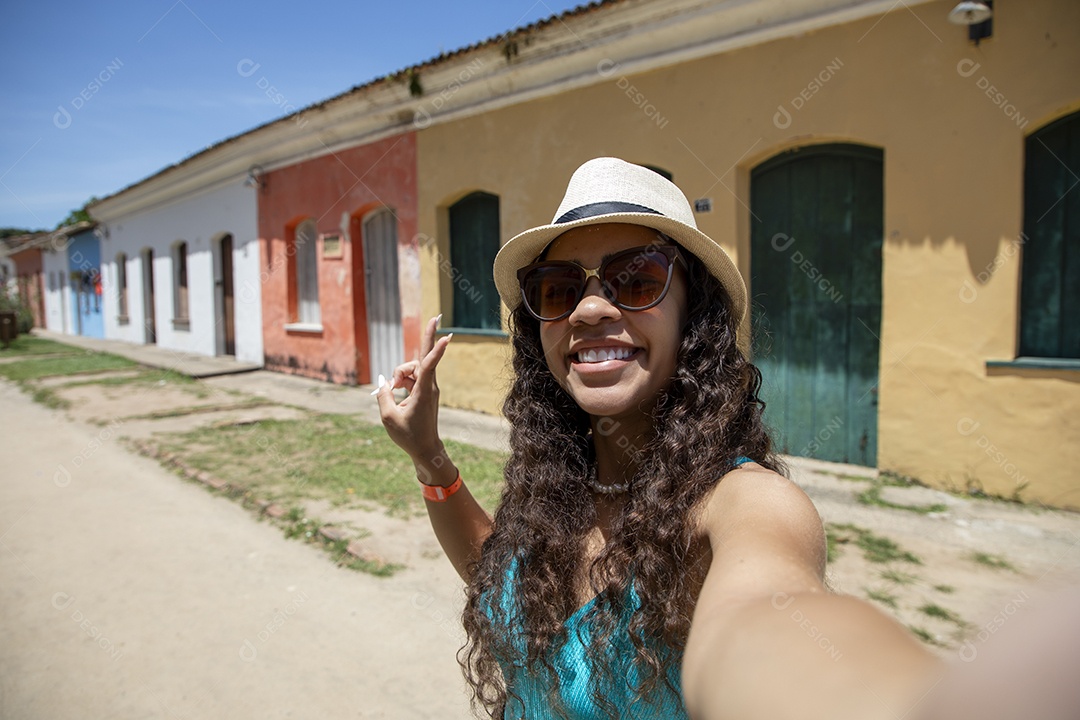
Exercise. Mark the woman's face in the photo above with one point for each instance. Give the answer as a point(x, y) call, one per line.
point(646, 341)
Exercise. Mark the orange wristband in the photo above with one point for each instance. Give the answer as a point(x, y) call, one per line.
point(436, 493)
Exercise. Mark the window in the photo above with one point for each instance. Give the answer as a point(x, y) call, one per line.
point(1050, 279)
point(474, 242)
point(121, 287)
point(305, 257)
point(180, 282)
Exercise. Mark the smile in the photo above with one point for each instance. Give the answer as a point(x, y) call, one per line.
point(599, 355)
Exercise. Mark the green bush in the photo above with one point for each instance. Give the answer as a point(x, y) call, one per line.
point(11, 302)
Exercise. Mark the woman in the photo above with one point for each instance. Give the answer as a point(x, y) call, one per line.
point(648, 557)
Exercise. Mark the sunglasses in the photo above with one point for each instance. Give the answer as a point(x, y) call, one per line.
point(634, 279)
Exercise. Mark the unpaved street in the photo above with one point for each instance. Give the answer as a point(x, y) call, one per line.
point(129, 593)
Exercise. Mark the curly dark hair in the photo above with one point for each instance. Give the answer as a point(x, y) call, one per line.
point(709, 416)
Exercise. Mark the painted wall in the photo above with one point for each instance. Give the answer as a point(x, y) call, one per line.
point(337, 191)
point(951, 118)
point(201, 221)
point(54, 264)
point(85, 286)
point(30, 282)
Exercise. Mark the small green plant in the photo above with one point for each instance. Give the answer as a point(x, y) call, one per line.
point(936, 611)
point(923, 635)
point(992, 561)
point(882, 597)
point(876, 548)
point(900, 578)
point(872, 495)
point(946, 589)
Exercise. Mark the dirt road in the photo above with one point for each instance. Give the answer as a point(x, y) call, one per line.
point(128, 593)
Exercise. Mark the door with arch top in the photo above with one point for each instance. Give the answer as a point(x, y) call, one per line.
point(815, 283)
point(386, 342)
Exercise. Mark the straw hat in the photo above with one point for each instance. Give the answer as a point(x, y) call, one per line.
point(609, 190)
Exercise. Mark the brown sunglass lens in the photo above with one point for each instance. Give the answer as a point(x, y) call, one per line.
point(553, 290)
point(637, 280)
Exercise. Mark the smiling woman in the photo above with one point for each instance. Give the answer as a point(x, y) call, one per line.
point(648, 557)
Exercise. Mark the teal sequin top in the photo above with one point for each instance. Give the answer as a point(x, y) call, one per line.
point(528, 696)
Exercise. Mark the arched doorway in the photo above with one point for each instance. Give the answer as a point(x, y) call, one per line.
point(226, 306)
point(149, 306)
point(815, 279)
point(386, 342)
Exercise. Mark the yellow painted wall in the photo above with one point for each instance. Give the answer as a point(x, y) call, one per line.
point(907, 82)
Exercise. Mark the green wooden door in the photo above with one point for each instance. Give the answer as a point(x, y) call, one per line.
point(815, 280)
point(1050, 280)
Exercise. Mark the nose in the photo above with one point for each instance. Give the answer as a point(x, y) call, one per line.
point(594, 306)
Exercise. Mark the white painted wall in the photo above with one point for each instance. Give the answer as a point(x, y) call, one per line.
point(57, 295)
point(200, 220)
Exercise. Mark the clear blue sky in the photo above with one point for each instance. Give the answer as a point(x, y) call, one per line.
point(96, 96)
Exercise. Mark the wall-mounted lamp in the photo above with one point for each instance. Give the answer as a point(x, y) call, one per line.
point(254, 177)
point(977, 16)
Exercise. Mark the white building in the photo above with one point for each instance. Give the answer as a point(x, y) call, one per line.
point(180, 261)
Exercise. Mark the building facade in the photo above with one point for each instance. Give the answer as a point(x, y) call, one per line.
point(879, 179)
point(180, 268)
point(339, 262)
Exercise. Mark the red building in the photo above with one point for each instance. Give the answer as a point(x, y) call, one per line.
point(339, 262)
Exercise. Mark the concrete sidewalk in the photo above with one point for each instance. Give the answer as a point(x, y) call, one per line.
point(486, 431)
point(190, 364)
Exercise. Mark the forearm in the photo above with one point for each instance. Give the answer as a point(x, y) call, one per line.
point(805, 656)
point(460, 523)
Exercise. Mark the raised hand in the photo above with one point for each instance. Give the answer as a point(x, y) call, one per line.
point(413, 423)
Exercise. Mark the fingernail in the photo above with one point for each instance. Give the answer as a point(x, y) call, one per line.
point(382, 381)
point(376, 390)
point(438, 320)
point(449, 337)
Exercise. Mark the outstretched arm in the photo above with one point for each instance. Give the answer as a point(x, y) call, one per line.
point(460, 523)
point(768, 641)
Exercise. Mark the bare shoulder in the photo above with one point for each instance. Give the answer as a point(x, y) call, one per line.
point(756, 510)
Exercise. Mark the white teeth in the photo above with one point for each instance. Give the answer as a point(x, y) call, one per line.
point(596, 355)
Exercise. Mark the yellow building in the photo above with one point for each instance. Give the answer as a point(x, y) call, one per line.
point(902, 200)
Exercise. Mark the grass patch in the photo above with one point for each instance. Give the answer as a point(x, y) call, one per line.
point(145, 376)
point(338, 458)
point(872, 495)
point(297, 526)
point(946, 589)
point(33, 369)
point(936, 611)
point(876, 548)
point(923, 635)
point(832, 545)
point(900, 578)
point(882, 597)
point(992, 561)
point(48, 397)
point(30, 345)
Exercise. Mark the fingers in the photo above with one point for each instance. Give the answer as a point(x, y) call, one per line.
point(429, 335)
point(409, 374)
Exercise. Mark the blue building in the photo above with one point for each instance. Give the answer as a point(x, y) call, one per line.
point(84, 281)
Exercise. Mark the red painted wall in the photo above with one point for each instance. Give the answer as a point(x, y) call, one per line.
point(337, 191)
point(28, 269)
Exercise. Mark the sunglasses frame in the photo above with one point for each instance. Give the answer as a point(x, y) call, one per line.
point(671, 252)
